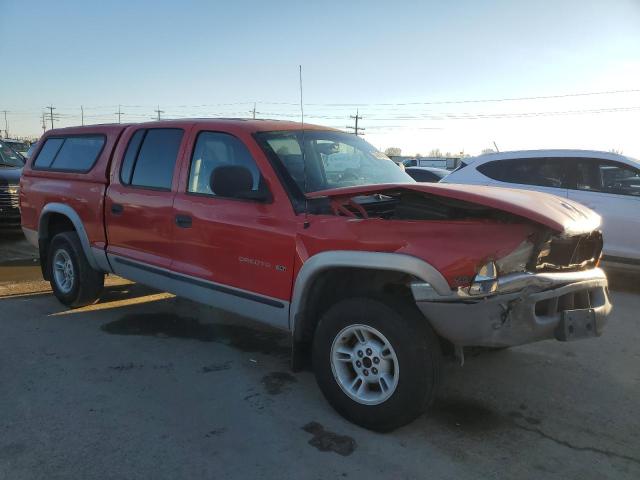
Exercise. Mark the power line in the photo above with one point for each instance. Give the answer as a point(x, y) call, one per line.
point(485, 100)
point(373, 104)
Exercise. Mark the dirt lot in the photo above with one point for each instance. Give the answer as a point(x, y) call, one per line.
point(144, 385)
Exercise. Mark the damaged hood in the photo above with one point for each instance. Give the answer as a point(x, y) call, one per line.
point(559, 214)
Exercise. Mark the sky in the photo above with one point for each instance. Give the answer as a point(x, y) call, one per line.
point(456, 76)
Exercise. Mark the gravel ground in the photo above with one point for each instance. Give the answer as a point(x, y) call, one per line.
point(144, 385)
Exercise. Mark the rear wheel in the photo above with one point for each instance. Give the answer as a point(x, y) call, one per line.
point(377, 361)
point(73, 281)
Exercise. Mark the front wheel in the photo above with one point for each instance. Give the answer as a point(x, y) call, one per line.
point(73, 281)
point(377, 361)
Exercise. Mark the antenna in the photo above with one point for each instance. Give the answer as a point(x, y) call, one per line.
point(304, 160)
point(494, 144)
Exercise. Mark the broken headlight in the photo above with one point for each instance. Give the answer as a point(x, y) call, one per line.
point(486, 280)
point(517, 260)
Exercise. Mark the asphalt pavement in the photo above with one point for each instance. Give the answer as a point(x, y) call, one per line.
point(146, 385)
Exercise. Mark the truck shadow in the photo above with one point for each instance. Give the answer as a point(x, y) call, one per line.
point(172, 325)
point(624, 281)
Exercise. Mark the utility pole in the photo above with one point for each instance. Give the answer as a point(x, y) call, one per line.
point(356, 129)
point(51, 109)
point(44, 124)
point(82, 114)
point(6, 125)
point(158, 111)
point(119, 113)
point(254, 110)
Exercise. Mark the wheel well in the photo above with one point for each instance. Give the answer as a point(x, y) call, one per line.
point(53, 224)
point(333, 285)
point(336, 284)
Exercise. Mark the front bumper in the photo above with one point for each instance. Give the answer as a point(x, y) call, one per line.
point(526, 308)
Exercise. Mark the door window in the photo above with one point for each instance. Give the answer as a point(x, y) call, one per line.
point(543, 172)
point(151, 157)
point(214, 150)
point(607, 177)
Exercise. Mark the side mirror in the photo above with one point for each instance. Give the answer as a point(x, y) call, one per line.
point(234, 181)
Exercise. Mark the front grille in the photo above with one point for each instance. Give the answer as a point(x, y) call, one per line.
point(576, 300)
point(8, 196)
point(577, 252)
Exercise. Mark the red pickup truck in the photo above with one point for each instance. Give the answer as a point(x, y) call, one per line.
point(314, 231)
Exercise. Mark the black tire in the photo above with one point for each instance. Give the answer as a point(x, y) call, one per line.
point(87, 283)
point(417, 350)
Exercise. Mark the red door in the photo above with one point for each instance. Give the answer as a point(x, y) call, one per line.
point(242, 242)
point(139, 202)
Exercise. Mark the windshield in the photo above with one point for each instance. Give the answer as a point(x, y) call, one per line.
point(331, 160)
point(9, 157)
point(18, 146)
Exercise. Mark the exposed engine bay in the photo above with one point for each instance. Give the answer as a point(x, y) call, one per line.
point(544, 251)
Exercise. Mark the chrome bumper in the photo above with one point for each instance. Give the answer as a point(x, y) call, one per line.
point(525, 308)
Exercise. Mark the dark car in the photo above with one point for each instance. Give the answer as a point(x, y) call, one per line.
point(19, 146)
point(427, 174)
point(11, 163)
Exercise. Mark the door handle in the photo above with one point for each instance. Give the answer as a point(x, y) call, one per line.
point(183, 221)
point(116, 208)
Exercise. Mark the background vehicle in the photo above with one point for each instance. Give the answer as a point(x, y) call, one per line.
point(448, 162)
point(608, 183)
point(316, 233)
point(19, 146)
point(11, 164)
point(427, 174)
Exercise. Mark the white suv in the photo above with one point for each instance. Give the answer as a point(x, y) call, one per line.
point(605, 182)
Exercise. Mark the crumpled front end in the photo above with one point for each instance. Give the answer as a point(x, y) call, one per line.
point(522, 266)
point(524, 308)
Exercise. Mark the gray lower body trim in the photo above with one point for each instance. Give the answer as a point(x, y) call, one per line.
point(73, 216)
point(31, 236)
point(271, 311)
point(100, 257)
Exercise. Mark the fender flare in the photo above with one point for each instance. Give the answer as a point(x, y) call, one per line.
point(73, 216)
point(321, 262)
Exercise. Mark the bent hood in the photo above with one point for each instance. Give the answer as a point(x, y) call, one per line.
point(559, 214)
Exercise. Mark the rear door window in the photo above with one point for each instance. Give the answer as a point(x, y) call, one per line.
point(543, 172)
point(71, 154)
point(151, 158)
